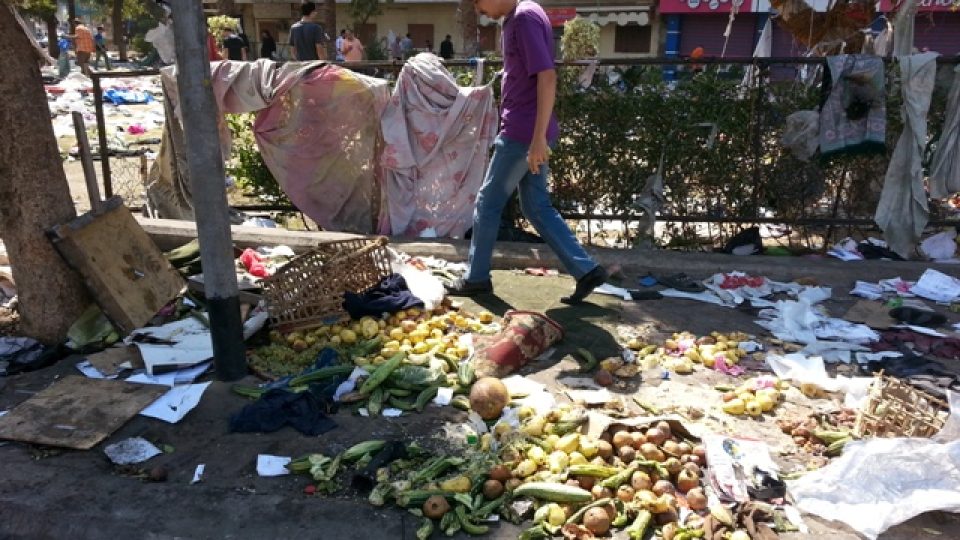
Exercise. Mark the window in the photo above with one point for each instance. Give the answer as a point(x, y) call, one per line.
point(420, 34)
point(632, 38)
point(366, 33)
point(488, 38)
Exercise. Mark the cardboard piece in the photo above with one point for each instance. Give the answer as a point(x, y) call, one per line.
point(873, 314)
point(111, 361)
point(126, 272)
point(77, 412)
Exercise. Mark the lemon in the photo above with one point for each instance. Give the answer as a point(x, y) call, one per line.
point(397, 334)
point(348, 336)
point(485, 317)
point(421, 348)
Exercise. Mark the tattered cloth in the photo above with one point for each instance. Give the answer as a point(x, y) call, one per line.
point(437, 138)
point(853, 118)
point(525, 336)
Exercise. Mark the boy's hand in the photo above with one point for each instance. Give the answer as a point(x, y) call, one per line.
point(538, 154)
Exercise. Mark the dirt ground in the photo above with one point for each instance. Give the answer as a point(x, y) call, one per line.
point(49, 493)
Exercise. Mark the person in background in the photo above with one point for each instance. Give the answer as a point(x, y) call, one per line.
point(429, 46)
point(306, 36)
point(232, 47)
point(63, 60)
point(522, 151)
point(396, 49)
point(339, 45)
point(268, 45)
point(84, 45)
point(100, 41)
point(352, 48)
point(446, 48)
point(213, 51)
point(406, 46)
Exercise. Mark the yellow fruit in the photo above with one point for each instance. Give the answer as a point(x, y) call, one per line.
point(335, 329)
point(452, 351)
point(421, 348)
point(537, 454)
point(463, 351)
point(382, 323)
point(746, 396)
point(693, 355)
point(335, 340)
point(310, 340)
point(766, 403)
point(753, 408)
point(436, 333)
point(576, 458)
point(396, 334)
point(299, 345)
point(635, 344)
point(485, 317)
point(406, 347)
point(377, 360)
point(568, 443)
point(734, 406)
point(534, 426)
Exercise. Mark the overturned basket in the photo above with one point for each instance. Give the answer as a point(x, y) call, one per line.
point(308, 290)
point(896, 409)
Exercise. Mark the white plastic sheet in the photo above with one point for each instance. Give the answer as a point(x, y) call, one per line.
point(878, 483)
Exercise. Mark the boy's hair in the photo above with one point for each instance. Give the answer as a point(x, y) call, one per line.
point(306, 8)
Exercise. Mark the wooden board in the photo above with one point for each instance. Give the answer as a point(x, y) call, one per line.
point(77, 412)
point(109, 360)
point(125, 271)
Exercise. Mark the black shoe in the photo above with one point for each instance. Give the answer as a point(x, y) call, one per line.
point(462, 287)
point(585, 285)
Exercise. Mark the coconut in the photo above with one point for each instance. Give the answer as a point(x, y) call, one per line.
point(488, 397)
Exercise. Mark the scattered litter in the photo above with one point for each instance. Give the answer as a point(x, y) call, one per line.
point(444, 396)
point(591, 397)
point(541, 271)
point(348, 385)
point(176, 403)
point(198, 474)
point(870, 291)
point(732, 461)
point(941, 246)
point(811, 370)
point(268, 465)
point(937, 286)
point(613, 290)
point(131, 451)
point(390, 412)
point(916, 476)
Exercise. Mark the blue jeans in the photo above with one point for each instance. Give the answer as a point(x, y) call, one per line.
point(508, 170)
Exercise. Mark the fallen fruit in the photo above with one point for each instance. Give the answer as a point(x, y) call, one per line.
point(158, 474)
point(500, 473)
point(492, 489)
point(435, 507)
point(596, 521)
point(488, 397)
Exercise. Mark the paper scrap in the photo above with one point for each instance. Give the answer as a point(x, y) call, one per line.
point(750, 346)
point(444, 396)
point(198, 474)
point(591, 397)
point(363, 412)
point(192, 345)
point(937, 286)
point(268, 465)
point(613, 290)
point(921, 330)
point(175, 404)
point(130, 451)
point(518, 384)
point(390, 412)
point(87, 369)
point(870, 291)
point(348, 385)
point(579, 382)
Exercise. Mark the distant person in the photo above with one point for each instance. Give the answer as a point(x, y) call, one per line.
point(213, 51)
point(406, 46)
point(232, 46)
point(268, 45)
point(63, 59)
point(339, 45)
point(429, 46)
point(306, 36)
point(100, 41)
point(246, 42)
point(352, 48)
point(396, 49)
point(446, 48)
point(84, 45)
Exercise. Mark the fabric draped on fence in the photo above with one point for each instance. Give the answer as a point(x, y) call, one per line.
point(437, 137)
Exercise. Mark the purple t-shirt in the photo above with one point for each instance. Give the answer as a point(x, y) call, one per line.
point(527, 50)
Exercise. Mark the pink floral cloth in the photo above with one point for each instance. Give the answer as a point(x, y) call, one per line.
point(437, 138)
point(318, 130)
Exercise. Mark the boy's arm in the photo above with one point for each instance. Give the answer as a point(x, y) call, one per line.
point(539, 151)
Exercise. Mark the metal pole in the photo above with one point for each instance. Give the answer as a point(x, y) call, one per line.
point(205, 166)
point(102, 137)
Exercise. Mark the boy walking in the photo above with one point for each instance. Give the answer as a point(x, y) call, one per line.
point(100, 41)
point(521, 152)
point(306, 36)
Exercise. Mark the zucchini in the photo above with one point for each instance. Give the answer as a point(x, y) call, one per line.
point(553, 492)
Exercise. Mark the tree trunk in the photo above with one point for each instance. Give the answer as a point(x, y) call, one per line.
point(35, 193)
point(72, 13)
point(469, 32)
point(53, 34)
point(330, 27)
point(119, 36)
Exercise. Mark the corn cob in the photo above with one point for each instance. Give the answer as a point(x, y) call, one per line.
point(552, 492)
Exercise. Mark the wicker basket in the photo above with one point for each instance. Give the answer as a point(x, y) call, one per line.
point(308, 291)
point(896, 409)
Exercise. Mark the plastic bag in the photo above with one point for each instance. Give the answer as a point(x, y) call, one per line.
point(914, 476)
point(802, 134)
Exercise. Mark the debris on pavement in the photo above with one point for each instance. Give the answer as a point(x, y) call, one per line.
point(131, 451)
point(268, 465)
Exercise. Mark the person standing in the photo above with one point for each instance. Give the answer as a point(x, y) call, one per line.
point(446, 48)
point(339, 45)
point(306, 36)
point(100, 41)
point(63, 59)
point(429, 46)
point(84, 45)
point(396, 49)
point(406, 46)
point(352, 48)
point(268, 45)
point(232, 46)
point(522, 151)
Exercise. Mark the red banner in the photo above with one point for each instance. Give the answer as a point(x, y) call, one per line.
point(705, 6)
point(558, 16)
point(887, 6)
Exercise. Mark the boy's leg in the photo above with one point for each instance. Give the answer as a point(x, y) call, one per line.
point(503, 174)
point(537, 207)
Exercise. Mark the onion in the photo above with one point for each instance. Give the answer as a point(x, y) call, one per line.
point(692, 467)
point(650, 451)
point(627, 454)
point(671, 447)
point(620, 439)
point(596, 521)
point(686, 481)
point(663, 486)
point(664, 426)
point(640, 481)
point(701, 453)
point(696, 500)
point(637, 439)
point(656, 436)
point(625, 493)
point(673, 465)
point(604, 449)
point(587, 482)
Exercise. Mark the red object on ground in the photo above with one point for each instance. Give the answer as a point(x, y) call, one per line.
point(735, 282)
point(252, 262)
